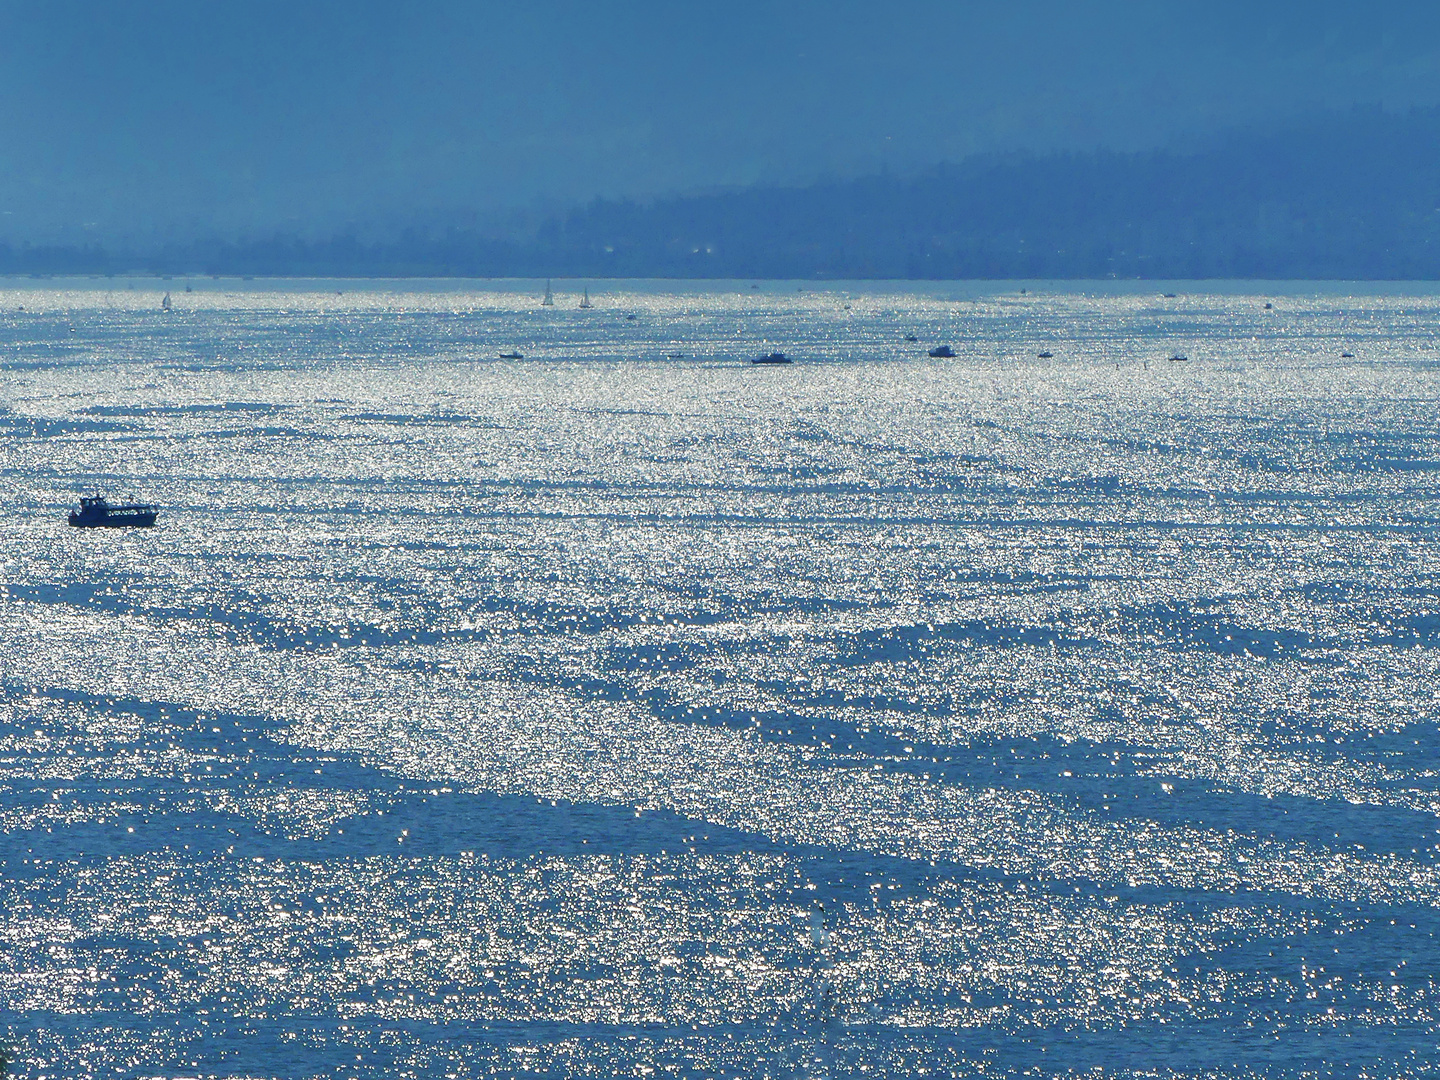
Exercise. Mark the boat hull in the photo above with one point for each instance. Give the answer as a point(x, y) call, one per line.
point(114, 521)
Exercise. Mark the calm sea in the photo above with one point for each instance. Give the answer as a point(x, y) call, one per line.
point(631, 710)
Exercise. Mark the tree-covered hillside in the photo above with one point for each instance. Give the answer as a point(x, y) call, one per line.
point(1343, 196)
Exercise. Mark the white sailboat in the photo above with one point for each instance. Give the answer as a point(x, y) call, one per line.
point(549, 300)
point(165, 303)
point(585, 299)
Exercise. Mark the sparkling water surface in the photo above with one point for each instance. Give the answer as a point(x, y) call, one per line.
point(631, 710)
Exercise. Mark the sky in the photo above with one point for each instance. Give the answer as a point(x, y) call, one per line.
point(123, 121)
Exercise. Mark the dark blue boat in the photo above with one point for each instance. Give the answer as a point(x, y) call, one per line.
point(772, 358)
point(96, 513)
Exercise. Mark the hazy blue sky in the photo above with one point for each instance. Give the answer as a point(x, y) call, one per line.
point(119, 116)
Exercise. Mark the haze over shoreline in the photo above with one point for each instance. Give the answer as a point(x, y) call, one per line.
point(1350, 196)
point(189, 122)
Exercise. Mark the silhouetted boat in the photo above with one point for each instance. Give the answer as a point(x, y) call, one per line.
point(1178, 359)
point(771, 358)
point(512, 356)
point(97, 513)
point(911, 337)
point(1347, 356)
point(549, 300)
point(165, 303)
point(942, 352)
point(1047, 356)
point(585, 300)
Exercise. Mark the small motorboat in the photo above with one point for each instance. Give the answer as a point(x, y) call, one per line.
point(1178, 359)
point(911, 338)
point(1047, 355)
point(942, 352)
point(512, 356)
point(96, 512)
point(1347, 356)
point(772, 358)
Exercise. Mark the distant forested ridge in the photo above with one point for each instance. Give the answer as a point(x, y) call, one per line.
point(1353, 195)
point(1357, 197)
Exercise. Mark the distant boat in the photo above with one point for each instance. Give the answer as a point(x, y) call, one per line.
point(512, 356)
point(1269, 306)
point(911, 337)
point(1347, 356)
point(585, 300)
point(772, 358)
point(549, 300)
point(942, 352)
point(98, 513)
point(629, 318)
point(165, 304)
point(1168, 296)
point(1047, 356)
point(1178, 359)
